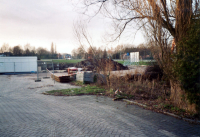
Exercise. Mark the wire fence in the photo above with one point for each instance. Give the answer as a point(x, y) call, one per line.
point(128, 62)
point(42, 69)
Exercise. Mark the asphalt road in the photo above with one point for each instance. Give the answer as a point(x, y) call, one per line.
point(24, 111)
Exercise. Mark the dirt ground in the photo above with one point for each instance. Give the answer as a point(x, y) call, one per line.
point(42, 86)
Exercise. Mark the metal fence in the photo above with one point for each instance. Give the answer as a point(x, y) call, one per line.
point(43, 68)
point(18, 67)
point(128, 62)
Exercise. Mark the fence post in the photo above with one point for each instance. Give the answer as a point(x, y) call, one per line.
point(14, 68)
point(46, 72)
point(46, 69)
point(53, 71)
point(37, 80)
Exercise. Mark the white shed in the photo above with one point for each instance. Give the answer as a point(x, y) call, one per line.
point(134, 57)
point(18, 64)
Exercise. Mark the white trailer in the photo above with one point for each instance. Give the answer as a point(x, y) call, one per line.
point(18, 64)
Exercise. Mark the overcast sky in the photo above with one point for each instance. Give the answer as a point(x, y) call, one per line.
point(41, 22)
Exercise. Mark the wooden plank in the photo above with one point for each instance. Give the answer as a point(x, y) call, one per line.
point(60, 78)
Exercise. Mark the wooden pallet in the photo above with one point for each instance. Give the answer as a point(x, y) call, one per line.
point(62, 79)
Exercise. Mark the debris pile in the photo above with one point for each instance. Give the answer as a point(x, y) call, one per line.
point(100, 65)
point(153, 72)
point(62, 79)
point(150, 73)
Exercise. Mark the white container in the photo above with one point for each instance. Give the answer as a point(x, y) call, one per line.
point(18, 64)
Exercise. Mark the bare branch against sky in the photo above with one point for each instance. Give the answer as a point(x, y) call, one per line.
point(41, 22)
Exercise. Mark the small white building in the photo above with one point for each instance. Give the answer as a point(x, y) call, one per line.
point(18, 64)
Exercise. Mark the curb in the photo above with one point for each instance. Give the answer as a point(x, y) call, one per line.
point(166, 113)
point(136, 103)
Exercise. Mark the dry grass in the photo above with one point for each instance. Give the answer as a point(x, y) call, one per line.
point(132, 83)
point(155, 94)
point(134, 86)
point(140, 89)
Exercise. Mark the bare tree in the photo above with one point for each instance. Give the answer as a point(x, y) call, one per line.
point(17, 50)
point(33, 51)
point(27, 49)
point(80, 53)
point(99, 53)
point(90, 53)
point(85, 41)
point(82, 36)
point(42, 52)
point(173, 15)
point(74, 54)
point(52, 49)
point(55, 50)
point(5, 48)
point(161, 20)
point(104, 54)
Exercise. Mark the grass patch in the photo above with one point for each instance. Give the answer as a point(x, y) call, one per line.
point(86, 90)
point(119, 61)
point(77, 83)
point(72, 61)
point(172, 108)
point(140, 63)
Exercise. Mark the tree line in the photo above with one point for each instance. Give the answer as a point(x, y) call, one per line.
point(119, 52)
point(28, 50)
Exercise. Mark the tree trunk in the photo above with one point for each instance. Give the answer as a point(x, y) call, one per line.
point(183, 18)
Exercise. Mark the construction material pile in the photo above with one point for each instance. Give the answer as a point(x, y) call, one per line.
point(62, 79)
point(153, 72)
point(100, 65)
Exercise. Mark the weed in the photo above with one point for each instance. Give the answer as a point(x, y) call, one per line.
point(87, 90)
point(167, 106)
point(77, 83)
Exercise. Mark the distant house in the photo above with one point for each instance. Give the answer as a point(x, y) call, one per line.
point(66, 56)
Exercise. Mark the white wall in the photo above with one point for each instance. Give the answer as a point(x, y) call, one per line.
point(18, 64)
point(134, 57)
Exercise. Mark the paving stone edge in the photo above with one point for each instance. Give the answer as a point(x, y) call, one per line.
point(166, 113)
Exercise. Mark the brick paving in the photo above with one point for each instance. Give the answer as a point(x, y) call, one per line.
point(24, 111)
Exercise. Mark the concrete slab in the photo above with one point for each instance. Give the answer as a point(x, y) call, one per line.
point(24, 111)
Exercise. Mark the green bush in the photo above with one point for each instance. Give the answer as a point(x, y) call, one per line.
point(187, 65)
